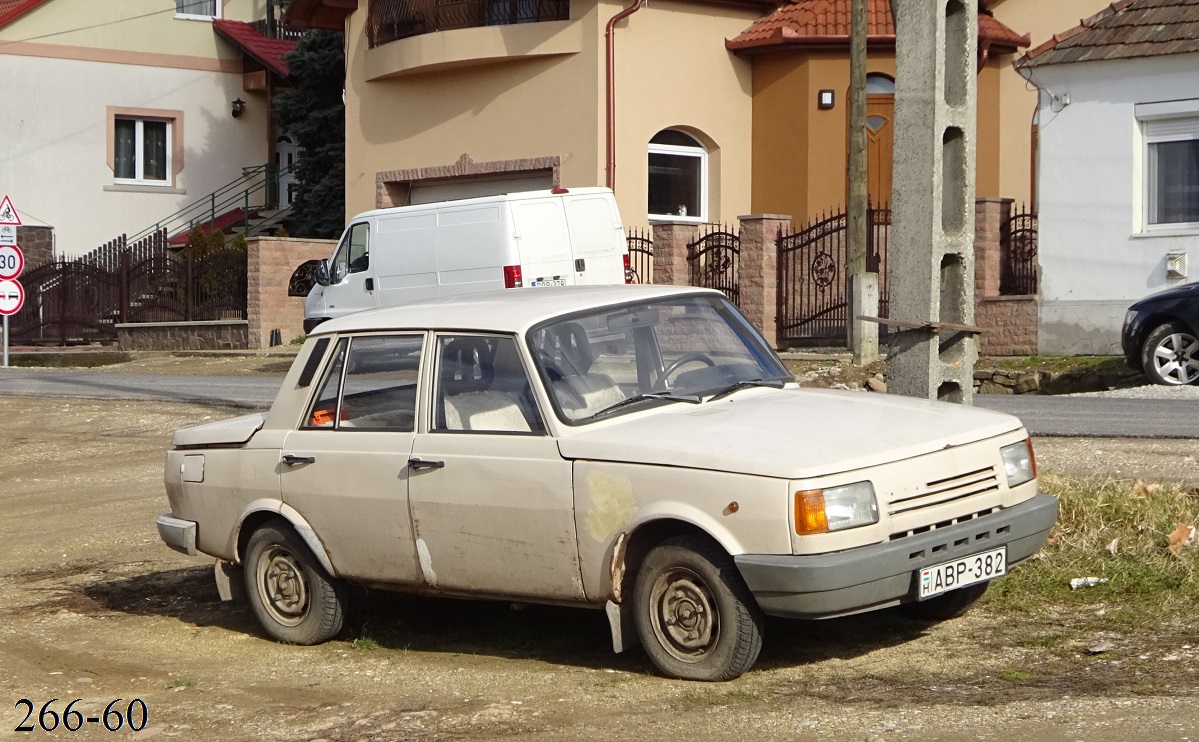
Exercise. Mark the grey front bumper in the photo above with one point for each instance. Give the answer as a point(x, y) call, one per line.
point(178, 534)
point(882, 575)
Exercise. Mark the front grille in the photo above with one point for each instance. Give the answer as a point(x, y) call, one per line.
point(942, 524)
point(950, 489)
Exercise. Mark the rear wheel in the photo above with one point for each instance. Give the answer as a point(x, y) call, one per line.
point(695, 617)
point(292, 595)
point(1170, 355)
point(944, 607)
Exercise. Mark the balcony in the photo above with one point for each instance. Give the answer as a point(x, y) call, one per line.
point(390, 20)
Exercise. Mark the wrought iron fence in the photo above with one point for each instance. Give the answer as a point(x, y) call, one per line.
point(813, 276)
point(713, 260)
point(82, 300)
point(1018, 253)
point(641, 255)
point(389, 20)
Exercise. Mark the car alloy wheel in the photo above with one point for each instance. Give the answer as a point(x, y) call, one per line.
point(1171, 355)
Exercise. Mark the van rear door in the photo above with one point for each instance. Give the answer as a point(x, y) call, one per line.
point(597, 238)
point(542, 242)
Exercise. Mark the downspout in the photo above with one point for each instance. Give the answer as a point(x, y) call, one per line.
point(610, 42)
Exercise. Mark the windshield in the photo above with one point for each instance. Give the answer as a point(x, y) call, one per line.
point(678, 349)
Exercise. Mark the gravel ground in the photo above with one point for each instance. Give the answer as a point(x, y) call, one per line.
point(1148, 391)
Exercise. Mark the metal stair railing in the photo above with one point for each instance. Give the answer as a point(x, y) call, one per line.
point(239, 193)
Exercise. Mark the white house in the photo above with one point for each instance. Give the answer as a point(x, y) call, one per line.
point(1118, 167)
point(117, 114)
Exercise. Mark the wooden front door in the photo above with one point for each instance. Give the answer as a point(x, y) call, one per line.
point(880, 133)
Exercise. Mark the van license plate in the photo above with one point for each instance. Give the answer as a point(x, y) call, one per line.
point(962, 572)
point(549, 282)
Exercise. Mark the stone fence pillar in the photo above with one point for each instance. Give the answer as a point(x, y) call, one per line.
point(270, 261)
point(37, 243)
point(990, 215)
point(757, 274)
point(670, 251)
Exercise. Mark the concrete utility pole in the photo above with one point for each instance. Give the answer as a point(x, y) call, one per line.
point(863, 286)
point(933, 352)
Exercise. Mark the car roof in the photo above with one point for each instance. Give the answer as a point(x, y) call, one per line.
point(505, 310)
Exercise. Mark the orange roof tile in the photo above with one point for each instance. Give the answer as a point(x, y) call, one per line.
point(10, 10)
point(828, 22)
point(269, 52)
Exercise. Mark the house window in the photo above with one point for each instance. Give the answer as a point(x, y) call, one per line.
point(1174, 181)
point(201, 9)
point(142, 151)
point(1171, 164)
point(678, 177)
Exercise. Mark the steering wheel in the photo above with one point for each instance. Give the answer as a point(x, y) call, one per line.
point(663, 384)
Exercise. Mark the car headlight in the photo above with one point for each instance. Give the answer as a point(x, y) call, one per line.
point(1019, 462)
point(835, 508)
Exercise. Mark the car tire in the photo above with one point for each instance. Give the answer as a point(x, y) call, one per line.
point(292, 595)
point(694, 615)
point(952, 604)
point(1170, 355)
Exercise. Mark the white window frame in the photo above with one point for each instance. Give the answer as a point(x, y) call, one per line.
point(699, 152)
point(139, 152)
point(216, 6)
point(1161, 123)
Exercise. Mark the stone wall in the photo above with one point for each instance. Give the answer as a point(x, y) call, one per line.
point(37, 244)
point(1011, 323)
point(215, 335)
point(270, 262)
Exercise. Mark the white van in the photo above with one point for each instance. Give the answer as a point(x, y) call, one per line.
point(538, 238)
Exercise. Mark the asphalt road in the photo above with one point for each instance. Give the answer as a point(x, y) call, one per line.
point(1066, 415)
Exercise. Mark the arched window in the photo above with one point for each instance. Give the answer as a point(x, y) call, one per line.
point(678, 177)
point(880, 84)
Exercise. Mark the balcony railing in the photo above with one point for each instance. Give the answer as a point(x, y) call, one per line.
point(388, 20)
point(276, 29)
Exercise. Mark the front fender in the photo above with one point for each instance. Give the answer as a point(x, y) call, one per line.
point(292, 516)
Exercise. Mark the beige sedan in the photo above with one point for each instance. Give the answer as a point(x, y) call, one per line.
point(638, 449)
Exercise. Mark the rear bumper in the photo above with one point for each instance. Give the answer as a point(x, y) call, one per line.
point(178, 534)
point(882, 575)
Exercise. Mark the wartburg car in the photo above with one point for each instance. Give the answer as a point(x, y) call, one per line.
point(638, 449)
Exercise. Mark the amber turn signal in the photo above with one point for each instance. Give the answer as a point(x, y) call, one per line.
point(809, 512)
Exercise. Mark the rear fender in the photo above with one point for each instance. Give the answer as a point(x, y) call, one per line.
point(293, 517)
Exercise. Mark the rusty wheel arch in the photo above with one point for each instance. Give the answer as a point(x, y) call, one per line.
point(638, 544)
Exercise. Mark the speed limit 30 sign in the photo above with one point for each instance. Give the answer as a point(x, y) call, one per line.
point(12, 261)
point(12, 296)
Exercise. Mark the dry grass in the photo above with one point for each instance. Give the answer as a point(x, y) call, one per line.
point(1118, 531)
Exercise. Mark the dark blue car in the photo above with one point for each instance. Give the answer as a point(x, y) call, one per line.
point(1161, 335)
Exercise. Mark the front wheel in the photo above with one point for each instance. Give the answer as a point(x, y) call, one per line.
point(695, 617)
point(292, 595)
point(1170, 355)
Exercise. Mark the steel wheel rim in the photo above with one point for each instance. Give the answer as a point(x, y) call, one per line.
point(283, 586)
point(684, 615)
point(1176, 358)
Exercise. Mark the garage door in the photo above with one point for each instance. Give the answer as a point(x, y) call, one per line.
point(474, 187)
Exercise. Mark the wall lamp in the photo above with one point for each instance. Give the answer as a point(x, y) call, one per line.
point(825, 99)
point(239, 106)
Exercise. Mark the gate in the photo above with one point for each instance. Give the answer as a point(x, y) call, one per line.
point(813, 279)
point(1018, 253)
point(641, 256)
point(82, 300)
point(712, 262)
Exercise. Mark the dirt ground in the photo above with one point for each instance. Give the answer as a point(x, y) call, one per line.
point(94, 607)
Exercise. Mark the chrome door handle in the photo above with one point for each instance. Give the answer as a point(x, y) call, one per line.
point(292, 460)
point(422, 464)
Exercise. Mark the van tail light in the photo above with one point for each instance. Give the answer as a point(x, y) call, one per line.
point(628, 269)
point(558, 191)
point(512, 278)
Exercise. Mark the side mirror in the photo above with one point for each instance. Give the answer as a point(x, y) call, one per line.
point(322, 273)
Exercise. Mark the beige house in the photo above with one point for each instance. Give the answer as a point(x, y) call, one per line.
point(121, 113)
point(692, 110)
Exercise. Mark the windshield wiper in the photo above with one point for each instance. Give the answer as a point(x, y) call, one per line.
point(771, 383)
point(690, 398)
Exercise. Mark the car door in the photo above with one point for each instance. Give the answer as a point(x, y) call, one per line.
point(353, 282)
point(492, 502)
point(345, 468)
